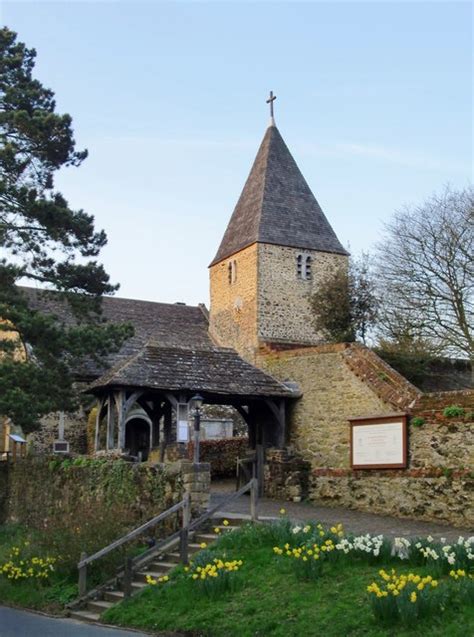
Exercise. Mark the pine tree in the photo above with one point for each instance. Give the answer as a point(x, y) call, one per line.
point(46, 242)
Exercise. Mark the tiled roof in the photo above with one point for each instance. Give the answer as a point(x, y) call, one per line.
point(277, 206)
point(212, 371)
point(169, 324)
point(171, 350)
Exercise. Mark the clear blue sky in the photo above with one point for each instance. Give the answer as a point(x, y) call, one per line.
point(374, 101)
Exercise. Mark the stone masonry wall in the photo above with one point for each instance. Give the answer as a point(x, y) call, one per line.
point(75, 432)
point(332, 393)
point(267, 301)
point(284, 311)
point(4, 467)
point(233, 309)
point(341, 381)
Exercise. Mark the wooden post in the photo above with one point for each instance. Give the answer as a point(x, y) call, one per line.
point(82, 584)
point(127, 578)
point(97, 424)
point(184, 535)
point(110, 444)
point(260, 468)
point(254, 500)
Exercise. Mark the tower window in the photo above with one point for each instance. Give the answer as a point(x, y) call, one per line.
point(299, 266)
point(303, 267)
point(232, 272)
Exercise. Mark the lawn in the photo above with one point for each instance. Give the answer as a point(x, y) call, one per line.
point(271, 599)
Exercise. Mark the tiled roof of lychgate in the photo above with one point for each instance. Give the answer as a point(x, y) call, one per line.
point(173, 325)
point(214, 371)
point(277, 206)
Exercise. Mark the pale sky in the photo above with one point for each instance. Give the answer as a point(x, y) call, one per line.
point(373, 99)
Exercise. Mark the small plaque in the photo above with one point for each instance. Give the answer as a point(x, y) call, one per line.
point(379, 442)
point(60, 446)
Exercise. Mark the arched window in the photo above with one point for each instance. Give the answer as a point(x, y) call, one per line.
point(232, 272)
point(307, 268)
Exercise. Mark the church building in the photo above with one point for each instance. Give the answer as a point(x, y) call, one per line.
point(255, 351)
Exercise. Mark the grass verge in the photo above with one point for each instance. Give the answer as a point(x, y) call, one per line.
point(270, 600)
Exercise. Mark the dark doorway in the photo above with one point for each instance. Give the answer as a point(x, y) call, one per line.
point(137, 438)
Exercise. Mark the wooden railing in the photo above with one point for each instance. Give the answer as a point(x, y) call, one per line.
point(252, 486)
point(181, 536)
point(86, 560)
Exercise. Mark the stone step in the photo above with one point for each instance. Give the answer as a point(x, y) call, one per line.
point(85, 616)
point(160, 566)
point(205, 537)
point(138, 585)
point(175, 557)
point(99, 606)
point(141, 576)
point(114, 596)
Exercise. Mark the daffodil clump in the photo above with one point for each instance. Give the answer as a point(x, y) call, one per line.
point(463, 585)
point(307, 559)
point(216, 576)
point(152, 581)
point(405, 598)
point(18, 567)
point(442, 556)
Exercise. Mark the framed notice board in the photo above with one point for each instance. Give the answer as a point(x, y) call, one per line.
point(379, 442)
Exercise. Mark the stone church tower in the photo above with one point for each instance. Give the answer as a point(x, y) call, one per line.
point(275, 251)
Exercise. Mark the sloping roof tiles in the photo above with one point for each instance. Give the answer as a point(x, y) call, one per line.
point(214, 371)
point(277, 206)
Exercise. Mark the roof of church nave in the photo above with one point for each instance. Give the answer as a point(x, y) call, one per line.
point(277, 206)
point(171, 349)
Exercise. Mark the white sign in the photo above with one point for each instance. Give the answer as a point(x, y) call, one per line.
point(182, 425)
point(379, 444)
point(183, 431)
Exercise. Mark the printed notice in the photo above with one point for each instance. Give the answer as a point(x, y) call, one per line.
point(378, 444)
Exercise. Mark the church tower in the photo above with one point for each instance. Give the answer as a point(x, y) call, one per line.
point(276, 249)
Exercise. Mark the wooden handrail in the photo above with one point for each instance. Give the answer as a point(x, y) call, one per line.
point(129, 536)
point(250, 486)
point(88, 559)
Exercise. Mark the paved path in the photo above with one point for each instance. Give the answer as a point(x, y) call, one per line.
point(354, 521)
point(20, 623)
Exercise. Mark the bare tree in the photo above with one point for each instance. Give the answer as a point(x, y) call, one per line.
point(425, 273)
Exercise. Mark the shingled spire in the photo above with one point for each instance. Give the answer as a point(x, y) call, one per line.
point(277, 206)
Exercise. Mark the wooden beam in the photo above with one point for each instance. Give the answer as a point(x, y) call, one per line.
point(110, 422)
point(98, 417)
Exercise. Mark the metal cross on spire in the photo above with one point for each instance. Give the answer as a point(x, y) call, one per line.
point(270, 101)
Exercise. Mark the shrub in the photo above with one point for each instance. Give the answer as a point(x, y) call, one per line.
point(454, 411)
point(417, 421)
point(221, 454)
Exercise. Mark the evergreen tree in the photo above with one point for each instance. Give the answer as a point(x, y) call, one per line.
point(46, 242)
point(345, 304)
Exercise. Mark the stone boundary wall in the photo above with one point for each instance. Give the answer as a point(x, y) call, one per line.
point(3, 491)
point(343, 381)
point(43, 487)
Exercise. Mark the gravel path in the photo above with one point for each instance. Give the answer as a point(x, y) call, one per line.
point(354, 521)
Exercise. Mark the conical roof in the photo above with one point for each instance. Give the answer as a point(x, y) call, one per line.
point(277, 206)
